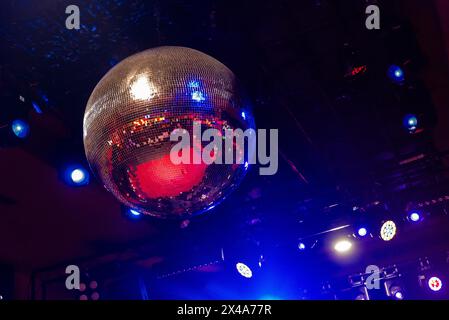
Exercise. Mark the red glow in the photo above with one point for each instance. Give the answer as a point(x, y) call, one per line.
point(356, 70)
point(161, 178)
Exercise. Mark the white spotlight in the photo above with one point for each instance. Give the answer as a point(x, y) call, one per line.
point(244, 270)
point(388, 230)
point(342, 246)
point(142, 89)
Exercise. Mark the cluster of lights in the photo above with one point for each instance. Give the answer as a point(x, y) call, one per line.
point(414, 216)
point(89, 292)
point(244, 270)
point(435, 284)
point(397, 75)
point(388, 230)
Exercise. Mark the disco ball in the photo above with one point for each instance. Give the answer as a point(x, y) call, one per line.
point(129, 118)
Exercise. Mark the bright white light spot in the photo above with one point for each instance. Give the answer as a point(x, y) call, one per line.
point(198, 96)
point(362, 232)
point(244, 270)
point(435, 284)
point(398, 295)
point(414, 217)
point(134, 212)
point(142, 89)
point(343, 246)
point(77, 175)
point(388, 230)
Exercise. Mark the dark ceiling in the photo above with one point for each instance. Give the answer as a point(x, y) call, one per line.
point(341, 137)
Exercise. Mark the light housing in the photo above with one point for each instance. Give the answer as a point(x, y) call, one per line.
point(388, 230)
point(244, 270)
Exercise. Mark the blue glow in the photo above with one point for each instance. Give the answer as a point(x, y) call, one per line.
point(243, 115)
point(246, 165)
point(194, 84)
point(43, 96)
point(414, 216)
point(301, 246)
point(198, 96)
point(269, 297)
point(410, 122)
point(36, 107)
point(134, 212)
point(113, 61)
point(396, 73)
point(362, 232)
point(77, 176)
point(20, 128)
point(398, 295)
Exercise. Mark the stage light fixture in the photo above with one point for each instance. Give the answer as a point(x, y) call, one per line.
point(388, 230)
point(20, 128)
point(414, 216)
point(396, 74)
point(244, 270)
point(134, 212)
point(410, 122)
point(435, 284)
point(396, 293)
point(77, 176)
point(343, 246)
point(301, 246)
point(361, 296)
point(362, 231)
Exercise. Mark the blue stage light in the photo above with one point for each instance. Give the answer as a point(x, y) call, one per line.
point(243, 115)
point(36, 107)
point(20, 128)
point(410, 122)
point(134, 212)
point(301, 246)
point(397, 293)
point(78, 176)
point(396, 74)
point(362, 232)
point(414, 216)
point(244, 270)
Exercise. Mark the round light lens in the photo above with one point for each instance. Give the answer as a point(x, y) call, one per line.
point(388, 230)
